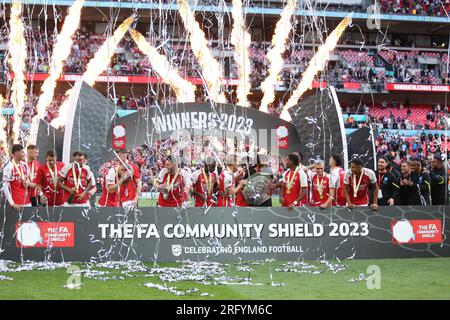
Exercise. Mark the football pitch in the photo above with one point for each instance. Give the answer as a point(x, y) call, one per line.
point(399, 279)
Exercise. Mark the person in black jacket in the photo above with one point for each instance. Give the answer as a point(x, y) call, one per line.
point(388, 187)
point(438, 181)
point(405, 188)
point(420, 183)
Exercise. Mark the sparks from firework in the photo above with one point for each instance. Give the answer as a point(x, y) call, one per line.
point(184, 90)
point(275, 54)
point(211, 69)
point(316, 65)
point(61, 51)
point(17, 47)
point(241, 40)
point(95, 67)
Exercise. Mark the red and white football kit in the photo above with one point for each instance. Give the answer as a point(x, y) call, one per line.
point(128, 190)
point(47, 177)
point(109, 199)
point(358, 186)
point(34, 167)
point(293, 182)
point(337, 180)
point(13, 176)
point(79, 178)
point(177, 185)
point(226, 180)
point(204, 184)
point(320, 189)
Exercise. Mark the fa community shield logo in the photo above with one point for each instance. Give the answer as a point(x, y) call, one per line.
point(176, 250)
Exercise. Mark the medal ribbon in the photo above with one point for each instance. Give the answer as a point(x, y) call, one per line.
point(19, 169)
point(208, 182)
point(290, 181)
point(356, 186)
point(76, 180)
point(169, 189)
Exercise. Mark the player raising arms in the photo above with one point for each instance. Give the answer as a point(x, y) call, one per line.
point(294, 185)
point(321, 185)
point(357, 183)
point(128, 181)
point(47, 181)
point(76, 180)
point(205, 184)
point(16, 180)
point(174, 184)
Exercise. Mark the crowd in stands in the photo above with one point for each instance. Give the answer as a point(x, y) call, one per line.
point(410, 7)
point(347, 65)
point(416, 7)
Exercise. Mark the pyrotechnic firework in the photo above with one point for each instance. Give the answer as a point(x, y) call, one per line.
point(61, 51)
point(241, 40)
point(211, 69)
point(274, 56)
point(316, 65)
point(96, 66)
point(17, 47)
point(184, 90)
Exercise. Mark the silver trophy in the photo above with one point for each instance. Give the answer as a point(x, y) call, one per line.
point(256, 191)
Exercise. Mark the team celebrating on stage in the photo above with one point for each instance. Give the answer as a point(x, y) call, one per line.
point(53, 183)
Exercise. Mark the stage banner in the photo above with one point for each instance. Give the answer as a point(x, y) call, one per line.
point(223, 234)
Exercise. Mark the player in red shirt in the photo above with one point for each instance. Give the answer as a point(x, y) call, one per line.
point(226, 183)
point(47, 181)
point(16, 179)
point(357, 182)
point(240, 179)
point(294, 186)
point(322, 190)
point(337, 180)
point(33, 165)
point(305, 200)
point(109, 174)
point(129, 184)
point(205, 184)
point(77, 180)
point(174, 184)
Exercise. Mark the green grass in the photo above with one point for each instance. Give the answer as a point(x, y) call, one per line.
point(147, 202)
point(400, 279)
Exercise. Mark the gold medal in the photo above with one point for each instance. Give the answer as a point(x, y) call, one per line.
point(320, 187)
